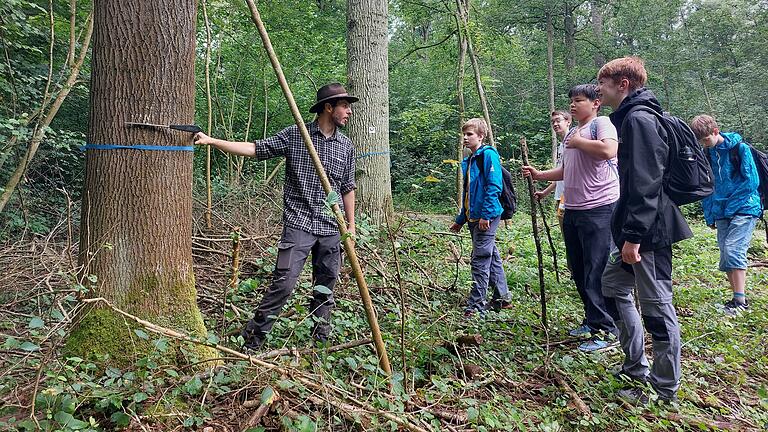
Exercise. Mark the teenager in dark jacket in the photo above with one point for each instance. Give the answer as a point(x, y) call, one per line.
point(644, 225)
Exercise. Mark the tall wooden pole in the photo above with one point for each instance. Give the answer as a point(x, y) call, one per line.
point(349, 246)
point(536, 239)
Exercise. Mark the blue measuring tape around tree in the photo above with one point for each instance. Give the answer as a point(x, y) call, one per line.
point(183, 128)
point(90, 146)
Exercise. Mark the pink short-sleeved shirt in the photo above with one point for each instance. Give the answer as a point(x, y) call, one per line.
point(590, 182)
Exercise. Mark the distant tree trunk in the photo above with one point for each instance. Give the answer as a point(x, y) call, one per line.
point(464, 13)
point(367, 77)
point(596, 16)
point(135, 234)
point(570, 41)
point(462, 41)
point(551, 80)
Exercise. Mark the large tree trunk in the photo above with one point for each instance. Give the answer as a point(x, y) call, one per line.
point(137, 204)
point(369, 125)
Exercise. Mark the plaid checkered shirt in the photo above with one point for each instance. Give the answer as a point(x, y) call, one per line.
point(304, 197)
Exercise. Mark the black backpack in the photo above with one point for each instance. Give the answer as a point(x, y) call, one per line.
point(688, 175)
point(508, 197)
point(761, 162)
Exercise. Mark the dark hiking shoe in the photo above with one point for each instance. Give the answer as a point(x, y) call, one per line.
point(253, 339)
point(641, 397)
point(731, 308)
point(473, 314)
point(253, 347)
point(499, 305)
point(634, 396)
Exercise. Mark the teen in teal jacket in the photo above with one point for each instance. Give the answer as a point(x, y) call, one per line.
point(484, 188)
point(735, 188)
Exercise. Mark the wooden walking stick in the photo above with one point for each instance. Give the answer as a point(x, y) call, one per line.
point(549, 238)
point(536, 239)
point(349, 246)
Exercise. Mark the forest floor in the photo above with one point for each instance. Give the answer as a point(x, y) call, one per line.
point(505, 371)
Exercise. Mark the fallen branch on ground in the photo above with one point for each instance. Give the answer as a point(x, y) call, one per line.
point(337, 401)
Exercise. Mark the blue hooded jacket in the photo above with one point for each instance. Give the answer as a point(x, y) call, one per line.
point(735, 192)
point(485, 189)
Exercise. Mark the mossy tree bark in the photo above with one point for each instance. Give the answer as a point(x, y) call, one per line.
point(368, 79)
point(137, 204)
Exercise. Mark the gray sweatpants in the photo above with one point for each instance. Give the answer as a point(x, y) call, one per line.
point(293, 249)
point(486, 268)
point(653, 277)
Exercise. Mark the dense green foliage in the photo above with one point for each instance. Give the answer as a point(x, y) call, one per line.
point(702, 56)
point(724, 359)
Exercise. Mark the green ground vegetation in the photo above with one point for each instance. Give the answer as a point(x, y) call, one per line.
point(522, 365)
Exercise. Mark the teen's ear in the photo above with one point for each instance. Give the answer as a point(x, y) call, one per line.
point(716, 131)
point(623, 84)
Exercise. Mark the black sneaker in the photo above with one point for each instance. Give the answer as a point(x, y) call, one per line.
point(499, 305)
point(732, 308)
point(254, 340)
point(634, 396)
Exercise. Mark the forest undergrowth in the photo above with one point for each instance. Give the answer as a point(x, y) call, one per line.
point(505, 371)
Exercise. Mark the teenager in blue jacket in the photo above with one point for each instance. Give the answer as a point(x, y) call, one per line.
point(481, 209)
point(734, 207)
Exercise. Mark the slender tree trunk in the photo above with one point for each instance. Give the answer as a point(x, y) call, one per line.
point(367, 77)
point(596, 16)
point(738, 106)
point(570, 41)
point(551, 80)
point(47, 117)
point(462, 41)
point(136, 222)
point(463, 12)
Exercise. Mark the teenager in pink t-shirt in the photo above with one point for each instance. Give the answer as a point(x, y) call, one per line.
point(589, 173)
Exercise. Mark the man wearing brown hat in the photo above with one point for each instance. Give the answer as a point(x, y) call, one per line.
point(307, 226)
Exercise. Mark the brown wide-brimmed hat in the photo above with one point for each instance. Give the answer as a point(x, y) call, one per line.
point(328, 93)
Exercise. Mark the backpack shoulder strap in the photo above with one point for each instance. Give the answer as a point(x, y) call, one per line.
point(593, 129)
point(481, 158)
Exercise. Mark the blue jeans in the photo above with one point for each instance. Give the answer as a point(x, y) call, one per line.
point(733, 237)
point(587, 237)
point(486, 268)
